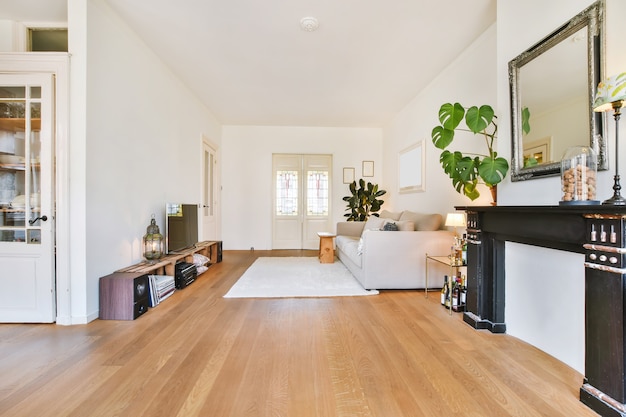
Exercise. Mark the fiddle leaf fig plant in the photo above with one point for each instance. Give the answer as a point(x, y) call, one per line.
point(363, 201)
point(469, 169)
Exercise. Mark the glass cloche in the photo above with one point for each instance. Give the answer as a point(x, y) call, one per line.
point(579, 169)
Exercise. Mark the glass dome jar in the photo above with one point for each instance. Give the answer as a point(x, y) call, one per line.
point(579, 169)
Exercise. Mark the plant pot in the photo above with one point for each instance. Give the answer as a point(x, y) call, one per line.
point(494, 194)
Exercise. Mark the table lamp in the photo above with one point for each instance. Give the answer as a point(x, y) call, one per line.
point(455, 220)
point(611, 94)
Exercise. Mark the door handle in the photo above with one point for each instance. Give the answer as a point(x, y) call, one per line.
point(42, 218)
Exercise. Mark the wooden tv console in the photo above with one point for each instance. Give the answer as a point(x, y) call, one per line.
point(165, 265)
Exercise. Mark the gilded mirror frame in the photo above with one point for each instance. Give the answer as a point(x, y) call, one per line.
point(592, 18)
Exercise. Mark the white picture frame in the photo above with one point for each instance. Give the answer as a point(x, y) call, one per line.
point(368, 168)
point(348, 175)
point(411, 168)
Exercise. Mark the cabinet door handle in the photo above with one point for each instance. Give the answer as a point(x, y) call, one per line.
point(42, 218)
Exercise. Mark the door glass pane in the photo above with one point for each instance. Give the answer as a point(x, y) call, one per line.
point(287, 193)
point(208, 184)
point(317, 193)
point(35, 92)
point(20, 153)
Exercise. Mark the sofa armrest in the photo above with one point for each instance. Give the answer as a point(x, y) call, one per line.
point(350, 228)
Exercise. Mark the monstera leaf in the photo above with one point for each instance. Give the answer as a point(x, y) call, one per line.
point(468, 170)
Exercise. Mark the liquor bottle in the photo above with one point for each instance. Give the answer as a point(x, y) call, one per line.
point(463, 295)
point(455, 296)
point(444, 290)
point(464, 253)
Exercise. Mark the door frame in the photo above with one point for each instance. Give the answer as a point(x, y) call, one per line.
point(56, 64)
point(216, 188)
point(308, 225)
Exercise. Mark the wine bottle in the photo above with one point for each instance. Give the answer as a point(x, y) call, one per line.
point(444, 290)
point(455, 296)
point(463, 295)
point(464, 253)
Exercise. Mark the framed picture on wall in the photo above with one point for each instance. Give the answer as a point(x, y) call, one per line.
point(348, 175)
point(538, 152)
point(411, 168)
point(368, 168)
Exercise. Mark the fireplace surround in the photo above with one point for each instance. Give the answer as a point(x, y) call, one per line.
point(598, 232)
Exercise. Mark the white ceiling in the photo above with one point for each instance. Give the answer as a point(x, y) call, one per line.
point(251, 64)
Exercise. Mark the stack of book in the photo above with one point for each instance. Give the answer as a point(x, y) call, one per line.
point(161, 287)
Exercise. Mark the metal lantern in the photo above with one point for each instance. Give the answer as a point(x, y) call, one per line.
point(153, 242)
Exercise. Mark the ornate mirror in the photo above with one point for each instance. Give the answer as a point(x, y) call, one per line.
point(552, 88)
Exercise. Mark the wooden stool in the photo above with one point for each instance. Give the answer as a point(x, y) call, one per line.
point(327, 252)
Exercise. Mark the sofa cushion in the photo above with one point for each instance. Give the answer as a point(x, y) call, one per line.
point(374, 223)
point(405, 226)
point(423, 222)
point(390, 215)
point(350, 246)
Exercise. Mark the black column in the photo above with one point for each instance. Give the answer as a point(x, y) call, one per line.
point(604, 388)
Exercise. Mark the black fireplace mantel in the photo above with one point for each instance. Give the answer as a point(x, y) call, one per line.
point(598, 232)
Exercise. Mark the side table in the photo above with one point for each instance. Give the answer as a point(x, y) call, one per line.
point(327, 250)
point(454, 269)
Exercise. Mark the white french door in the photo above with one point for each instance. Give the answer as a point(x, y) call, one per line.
point(26, 198)
point(301, 195)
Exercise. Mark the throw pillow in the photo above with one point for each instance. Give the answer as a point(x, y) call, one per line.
point(390, 215)
point(374, 223)
point(406, 226)
point(390, 226)
point(423, 221)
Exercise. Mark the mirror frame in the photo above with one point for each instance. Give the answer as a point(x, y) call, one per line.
point(593, 19)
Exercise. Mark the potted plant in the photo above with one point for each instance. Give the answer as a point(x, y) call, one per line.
point(471, 169)
point(363, 201)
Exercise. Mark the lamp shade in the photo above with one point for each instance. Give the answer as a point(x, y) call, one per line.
point(610, 90)
point(455, 219)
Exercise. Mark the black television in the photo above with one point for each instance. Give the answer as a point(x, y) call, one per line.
point(181, 226)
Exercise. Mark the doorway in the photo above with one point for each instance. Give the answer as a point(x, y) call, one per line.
point(302, 186)
point(209, 210)
point(27, 214)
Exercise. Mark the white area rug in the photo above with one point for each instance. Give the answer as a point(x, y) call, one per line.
point(296, 277)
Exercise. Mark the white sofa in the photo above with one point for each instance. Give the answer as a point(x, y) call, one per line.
point(382, 259)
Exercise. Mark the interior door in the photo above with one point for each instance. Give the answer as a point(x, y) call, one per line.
point(26, 198)
point(210, 196)
point(302, 189)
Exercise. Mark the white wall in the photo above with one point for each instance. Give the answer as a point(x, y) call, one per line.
point(6, 36)
point(247, 173)
point(520, 25)
point(468, 80)
point(136, 141)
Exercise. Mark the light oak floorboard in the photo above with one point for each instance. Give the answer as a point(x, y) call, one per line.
point(198, 354)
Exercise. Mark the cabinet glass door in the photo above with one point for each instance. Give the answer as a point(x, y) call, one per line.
point(20, 164)
point(27, 198)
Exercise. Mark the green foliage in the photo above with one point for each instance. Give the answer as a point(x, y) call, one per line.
point(525, 120)
point(467, 171)
point(363, 201)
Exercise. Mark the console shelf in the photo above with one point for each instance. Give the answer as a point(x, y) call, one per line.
point(165, 265)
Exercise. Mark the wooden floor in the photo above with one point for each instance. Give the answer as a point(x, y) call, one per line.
point(198, 354)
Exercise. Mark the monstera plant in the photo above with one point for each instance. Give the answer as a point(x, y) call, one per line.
point(363, 201)
point(469, 169)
